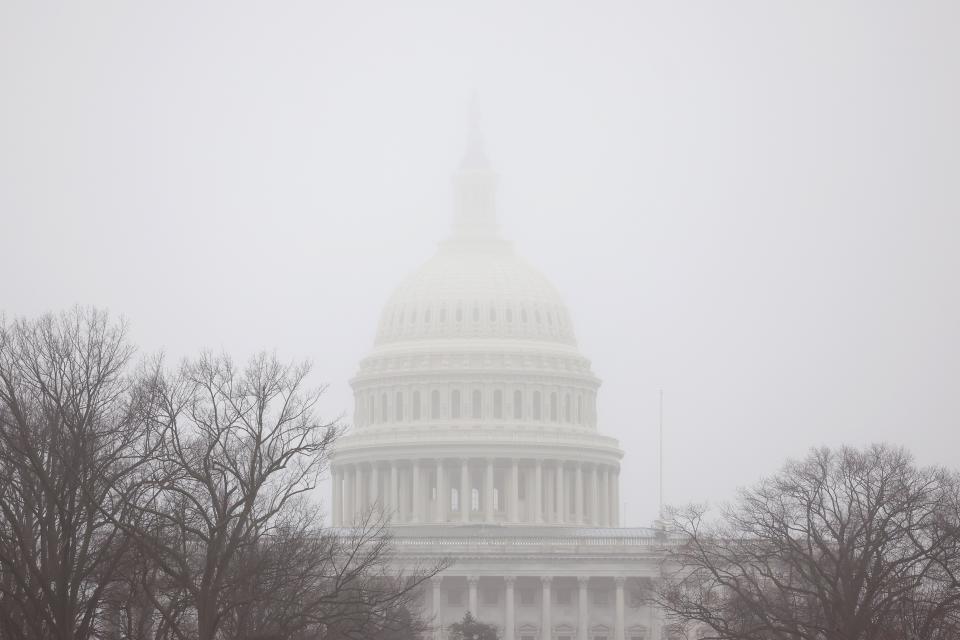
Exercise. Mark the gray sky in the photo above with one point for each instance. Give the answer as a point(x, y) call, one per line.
point(754, 206)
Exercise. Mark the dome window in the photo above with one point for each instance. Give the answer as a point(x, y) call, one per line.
point(416, 405)
point(523, 314)
point(400, 317)
point(550, 318)
point(426, 316)
point(536, 314)
point(493, 313)
point(553, 406)
point(537, 406)
point(476, 404)
point(498, 404)
point(435, 404)
point(475, 500)
point(383, 408)
point(371, 414)
point(566, 408)
point(459, 314)
point(579, 409)
point(455, 404)
point(399, 407)
point(454, 499)
point(476, 313)
point(518, 404)
point(413, 316)
point(443, 315)
point(509, 315)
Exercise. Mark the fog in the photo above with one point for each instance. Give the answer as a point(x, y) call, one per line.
point(753, 207)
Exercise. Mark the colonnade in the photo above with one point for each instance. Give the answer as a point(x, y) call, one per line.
point(565, 625)
point(487, 490)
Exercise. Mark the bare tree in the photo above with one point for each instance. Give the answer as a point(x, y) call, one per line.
point(307, 582)
point(70, 441)
point(843, 545)
point(237, 449)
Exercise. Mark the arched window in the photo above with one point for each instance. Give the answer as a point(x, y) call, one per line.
point(474, 500)
point(371, 414)
point(553, 406)
point(383, 408)
point(475, 404)
point(537, 405)
point(416, 405)
point(579, 409)
point(459, 314)
point(443, 314)
point(517, 404)
point(402, 311)
point(498, 404)
point(509, 315)
point(435, 404)
point(476, 313)
point(426, 316)
point(523, 314)
point(566, 408)
point(536, 314)
point(493, 313)
point(413, 316)
point(549, 318)
point(398, 410)
point(454, 499)
point(455, 404)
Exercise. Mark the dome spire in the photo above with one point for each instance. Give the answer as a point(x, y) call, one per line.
point(475, 187)
point(475, 156)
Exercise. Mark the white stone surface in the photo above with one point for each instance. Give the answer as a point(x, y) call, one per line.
point(475, 429)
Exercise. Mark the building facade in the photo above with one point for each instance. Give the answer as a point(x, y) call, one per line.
point(475, 428)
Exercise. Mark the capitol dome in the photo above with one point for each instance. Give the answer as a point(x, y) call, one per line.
point(476, 292)
point(475, 374)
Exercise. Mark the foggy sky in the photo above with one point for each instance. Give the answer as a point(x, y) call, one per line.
point(750, 205)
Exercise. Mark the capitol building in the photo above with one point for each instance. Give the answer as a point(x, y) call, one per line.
point(475, 428)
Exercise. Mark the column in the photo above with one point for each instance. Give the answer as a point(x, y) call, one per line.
point(582, 623)
point(615, 481)
point(406, 503)
point(464, 490)
point(545, 624)
point(351, 495)
point(443, 497)
point(361, 492)
point(578, 492)
point(604, 497)
point(538, 493)
point(394, 491)
point(513, 496)
point(618, 627)
point(415, 497)
point(437, 608)
point(336, 495)
point(473, 599)
point(548, 495)
point(346, 509)
point(488, 490)
point(558, 492)
point(594, 496)
point(509, 620)
point(374, 491)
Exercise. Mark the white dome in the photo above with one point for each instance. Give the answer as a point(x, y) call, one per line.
point(474, 364)
point(469, 291)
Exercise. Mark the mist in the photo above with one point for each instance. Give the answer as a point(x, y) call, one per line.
point(750, 207)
